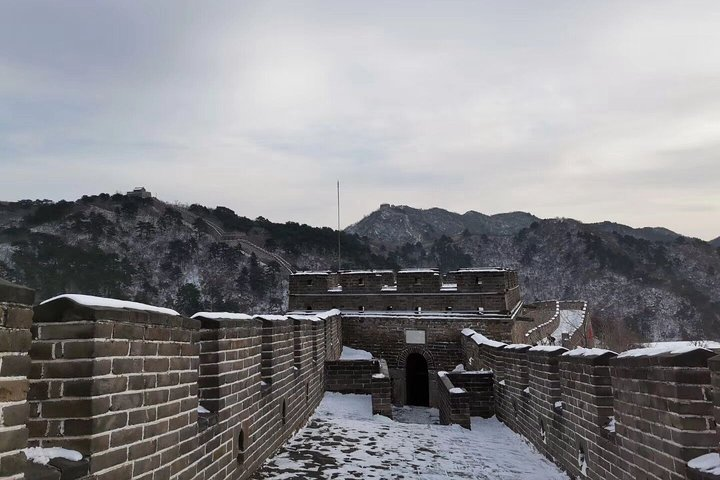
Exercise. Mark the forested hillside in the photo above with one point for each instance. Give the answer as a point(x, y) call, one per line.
point(153, 252)
point(653, 281)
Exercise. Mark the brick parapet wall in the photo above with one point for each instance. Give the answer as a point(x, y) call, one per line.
point(118, 386)
point(365, 377)
point(382, 391)
point(15, 338)
point(587, 398)
point(229, 353)
point(535, 322)
point(510, 400)
point(130, 389)
point(453, 403)
point(333, 337)
point(384, 337)
point(479, 386)
point(545, 427)
point(663, 410)
point(350, 376)
point(428, 301)
point(714, 364)
point(662, 406)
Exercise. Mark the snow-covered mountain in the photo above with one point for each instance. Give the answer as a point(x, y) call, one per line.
point(664, 285)
point(189, 258)
point(397, 225)
point(193, 258)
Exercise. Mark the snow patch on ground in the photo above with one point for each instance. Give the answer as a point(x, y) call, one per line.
point(354, 354)
point(344, 440)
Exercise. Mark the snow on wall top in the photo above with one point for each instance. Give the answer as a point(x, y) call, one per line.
point(100, 302)
point(481, 270)
point(419, 270)
point(697, 343)
point(272, 318)
point(555, 315)
point(354, 354)
point(304, 316)
point(481, 339)
point(587, 352)
point(517, 346)
point(364, 272)
point(546, 348)
point(308, 272)
point(661, 350)
point(330, 313)
point(708, 463)
point(44, 455)
point(307, 315)
point(222, 316)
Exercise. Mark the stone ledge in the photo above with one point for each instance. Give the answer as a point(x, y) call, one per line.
point(218, 323)
point(57, 469)
point(12, 293)
point(694, 474)
point(66, 310)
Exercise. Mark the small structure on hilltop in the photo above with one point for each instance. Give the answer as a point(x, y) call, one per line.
point(139, 192)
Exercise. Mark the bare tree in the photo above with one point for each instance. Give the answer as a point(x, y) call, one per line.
point(615, 335)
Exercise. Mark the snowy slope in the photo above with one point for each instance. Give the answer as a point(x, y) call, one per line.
point(343, 440)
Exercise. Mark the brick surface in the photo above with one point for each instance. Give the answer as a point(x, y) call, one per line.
point(15, 343)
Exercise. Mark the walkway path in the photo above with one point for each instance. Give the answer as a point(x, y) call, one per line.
point(344, 441)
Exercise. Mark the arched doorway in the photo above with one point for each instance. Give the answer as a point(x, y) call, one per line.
point(416, 381)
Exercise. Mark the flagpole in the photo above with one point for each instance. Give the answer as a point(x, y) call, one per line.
point(338, 224)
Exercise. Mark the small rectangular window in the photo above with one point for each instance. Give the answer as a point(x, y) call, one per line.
point(361, 281)
point(309, 282)
point(417, 280)
point(478, 281)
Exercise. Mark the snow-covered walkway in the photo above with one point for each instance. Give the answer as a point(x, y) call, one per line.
point(344, 441)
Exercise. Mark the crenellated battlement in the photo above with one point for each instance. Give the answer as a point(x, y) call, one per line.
point(641, 414)
point(493, 290)
point(142, 392)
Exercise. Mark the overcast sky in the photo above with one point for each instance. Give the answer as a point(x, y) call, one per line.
point(593, 110)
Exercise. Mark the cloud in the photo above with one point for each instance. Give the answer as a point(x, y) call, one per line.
point(597, 111)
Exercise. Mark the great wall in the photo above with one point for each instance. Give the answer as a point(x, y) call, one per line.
point(142, 392)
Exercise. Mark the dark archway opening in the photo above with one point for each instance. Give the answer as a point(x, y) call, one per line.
point(416, 381)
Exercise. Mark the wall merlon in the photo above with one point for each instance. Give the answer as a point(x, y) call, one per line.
point(15, 365)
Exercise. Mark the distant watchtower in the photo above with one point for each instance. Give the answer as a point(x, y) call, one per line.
point(139, 192)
